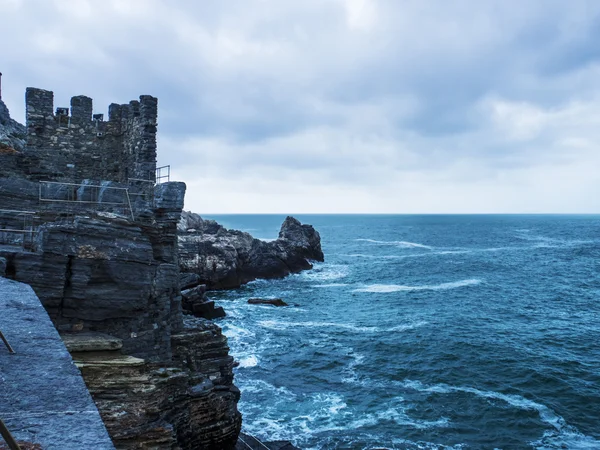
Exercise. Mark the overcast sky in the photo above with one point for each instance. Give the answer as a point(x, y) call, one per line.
point(297, 106)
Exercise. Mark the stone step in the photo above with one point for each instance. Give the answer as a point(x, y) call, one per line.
point(89, 341)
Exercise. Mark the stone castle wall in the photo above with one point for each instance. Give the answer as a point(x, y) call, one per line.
point(73, 144)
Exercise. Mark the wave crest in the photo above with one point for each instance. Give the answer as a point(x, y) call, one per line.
point(402, 244)
point(388, 288)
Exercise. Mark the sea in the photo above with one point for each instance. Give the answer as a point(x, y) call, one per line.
point(425, 332)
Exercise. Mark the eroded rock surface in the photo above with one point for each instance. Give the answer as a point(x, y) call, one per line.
point(107, 272)
point(188, 405)
point(225, 258)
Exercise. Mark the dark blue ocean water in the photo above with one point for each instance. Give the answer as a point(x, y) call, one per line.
point(474, 332)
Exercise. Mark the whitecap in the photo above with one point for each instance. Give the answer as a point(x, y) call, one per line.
point(277, 325)
point(402, 244)
point(350, 374)
point(412, 255)
point(326, 272)
point(261, 386)
point(396, 412)
point(329, 285)
point(388, 288)
point(250, 361)
point(235, 332)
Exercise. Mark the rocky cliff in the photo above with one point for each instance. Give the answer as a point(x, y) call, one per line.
point(12, 133)
point(225, 258)
point(104, 267)
point(189, 404)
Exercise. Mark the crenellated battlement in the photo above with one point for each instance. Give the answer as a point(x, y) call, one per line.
point(72, 144)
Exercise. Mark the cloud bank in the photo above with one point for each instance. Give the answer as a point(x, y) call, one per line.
point(338, 105)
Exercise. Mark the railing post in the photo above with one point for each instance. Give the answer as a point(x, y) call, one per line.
point(12, 444)
point(10, 349)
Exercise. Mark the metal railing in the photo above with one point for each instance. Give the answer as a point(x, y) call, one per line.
point(163, 172)
point(251, 442)
point(27, 231)
point(8, 438)
point(81, 193)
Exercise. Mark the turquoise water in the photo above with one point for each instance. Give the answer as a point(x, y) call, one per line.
point(426, 332)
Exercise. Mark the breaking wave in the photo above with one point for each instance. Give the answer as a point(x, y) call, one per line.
point(401, 244)
point(388, 288)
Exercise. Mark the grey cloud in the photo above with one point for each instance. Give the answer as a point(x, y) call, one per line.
point(357, 97)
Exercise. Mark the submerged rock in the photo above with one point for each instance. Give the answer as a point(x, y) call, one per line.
point(226, 259)
point(267, 301)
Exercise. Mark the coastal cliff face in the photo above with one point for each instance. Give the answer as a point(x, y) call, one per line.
point(226, 259)
point(188, 405)
point(104, 272)
point(100, 265)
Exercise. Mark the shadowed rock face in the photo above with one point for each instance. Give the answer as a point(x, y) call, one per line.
point(12, 133)
point(226, 259)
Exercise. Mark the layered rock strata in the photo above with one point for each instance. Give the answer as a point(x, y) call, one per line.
point(187, 405)
point(225, 259)
point(107, 272)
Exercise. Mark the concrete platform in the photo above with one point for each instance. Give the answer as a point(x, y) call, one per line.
point(43, 399)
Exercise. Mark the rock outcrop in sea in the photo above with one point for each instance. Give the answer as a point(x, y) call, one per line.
point(225, 259)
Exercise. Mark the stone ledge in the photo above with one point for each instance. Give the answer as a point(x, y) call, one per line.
point(89, 359)
point(90, 342)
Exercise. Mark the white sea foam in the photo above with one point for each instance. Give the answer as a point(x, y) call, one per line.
point(402, 244)
point(388, 288)
point(330, 285)
point(326, 272)
point(280, 325)
point(561, 432)
point(261, 386)
point(277, 325)
point(310, 415)
point(350, 374)
point(250, 361)
point(411, 255)
point(395, 411)
point(409, 326)
point(235, 332)
point(363, 255)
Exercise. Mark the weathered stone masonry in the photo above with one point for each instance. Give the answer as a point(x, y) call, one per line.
point(80, 145)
